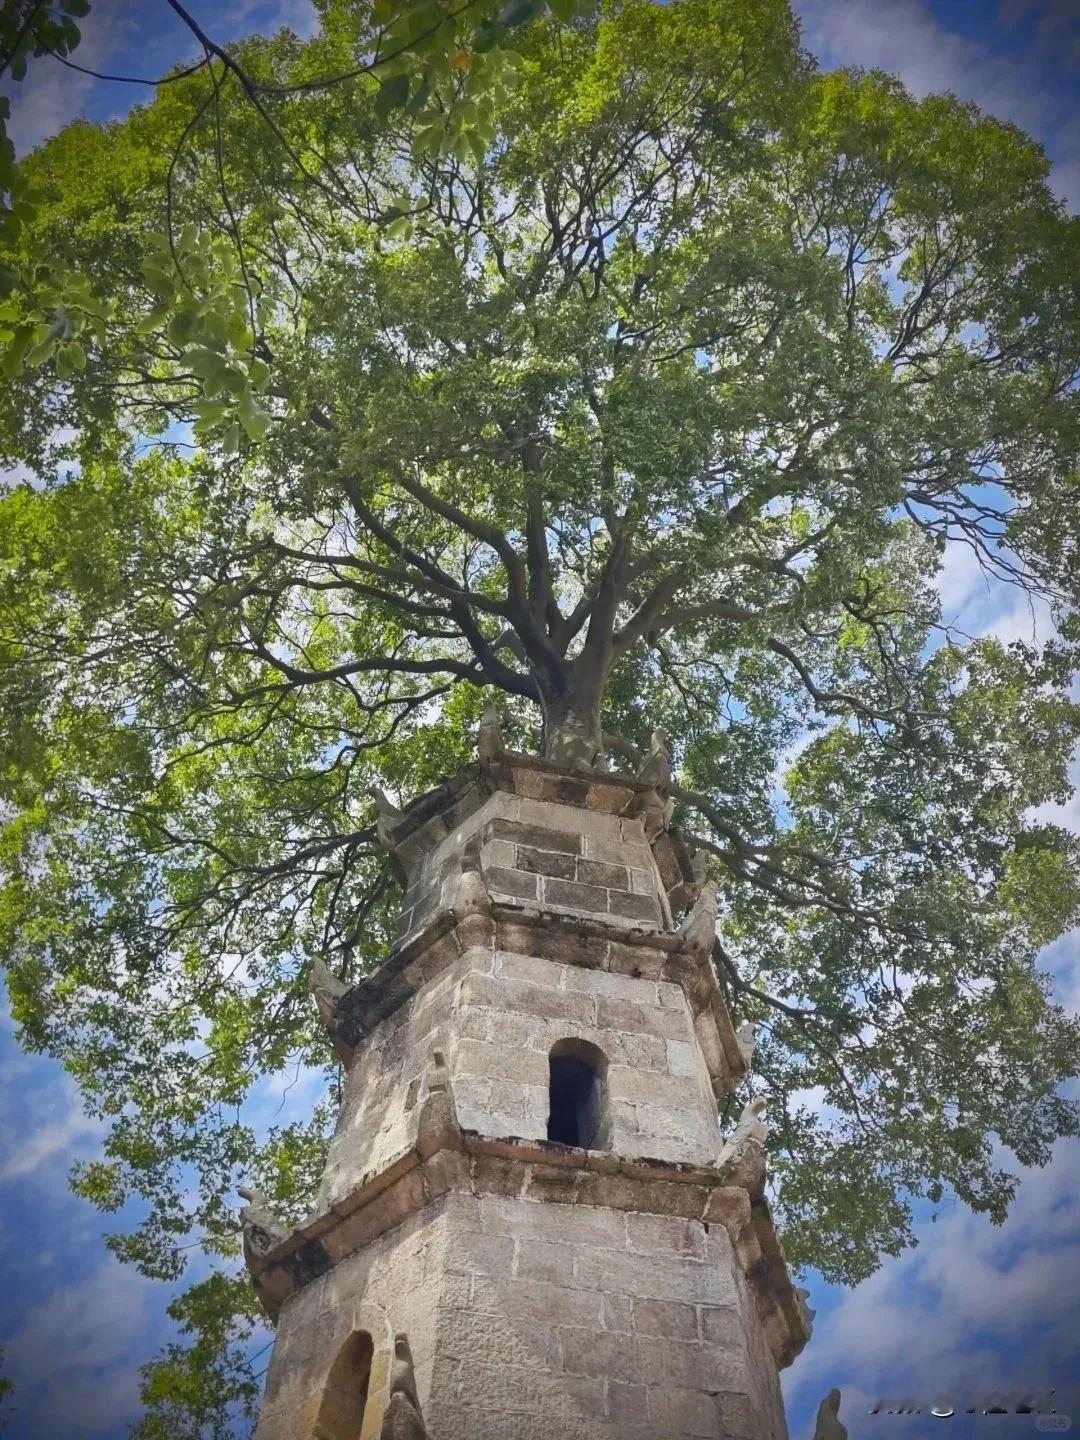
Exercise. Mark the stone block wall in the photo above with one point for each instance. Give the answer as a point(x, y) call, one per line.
point(508, 1016)
point(608, 874)
point(386, 1288)
point(497, 1014)
point(541, 855)
point(537, 1321)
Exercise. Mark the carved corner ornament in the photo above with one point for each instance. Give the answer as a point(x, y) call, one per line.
point(656, 770)
point(829, 1426)
point(437, 1126)
point(742, 1156)
point(805, 1312)
point(403, 1418)
point(698, 930)
point(261, 1230)
point(387, 816)
point(327, 991)
point(746, 1036)
point(489, 741)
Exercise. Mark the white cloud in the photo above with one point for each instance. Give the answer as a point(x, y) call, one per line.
point(23, 475)
point(1067, 815)
point(962, 581)
point(73, 1360)
point(937, 1320)
point(1066, 152)
point(48, 1122)
point(813, 1100)
point(905, 39)
point(1061, 961)
point(1025, 617)
point(53, 94)
point(285, 1097)
point(1066, 181)
point(977, 603)
point(24, 1155)
point(298, 15)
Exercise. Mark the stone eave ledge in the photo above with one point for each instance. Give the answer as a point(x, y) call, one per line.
point(431, 817)
point(446, 1159)
point(524, 929)
point(437, 812)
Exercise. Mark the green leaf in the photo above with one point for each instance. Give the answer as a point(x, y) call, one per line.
point(40, 352)
point(153, 320)
point(256, 422)
point(159, 283)
point(429, 140)
point(202, 361)
point(213, 383)
point(488, 35)
point(421, 96)
point(392, 94)
point(210, 411)
point(234, 380)
point(15, 353)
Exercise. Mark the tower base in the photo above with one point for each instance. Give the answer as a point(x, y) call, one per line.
point(534, 1321)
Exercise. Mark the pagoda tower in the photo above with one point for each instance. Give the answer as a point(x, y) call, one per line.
point(530, 1226)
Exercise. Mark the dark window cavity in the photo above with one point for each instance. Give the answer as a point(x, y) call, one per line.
point(341, 1414)
point(577, 1096)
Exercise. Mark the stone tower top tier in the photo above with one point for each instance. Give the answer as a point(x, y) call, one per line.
point(523, 858)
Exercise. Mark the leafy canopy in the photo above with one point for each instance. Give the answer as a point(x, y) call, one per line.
point(641, 378)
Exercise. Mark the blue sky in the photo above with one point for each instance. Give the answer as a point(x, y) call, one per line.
point(973, 1309)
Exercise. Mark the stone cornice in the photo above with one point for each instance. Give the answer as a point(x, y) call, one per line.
point(435, 813)
point(579, 941)
point(447, 1159)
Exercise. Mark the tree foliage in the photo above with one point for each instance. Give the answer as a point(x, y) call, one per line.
point(645, 385)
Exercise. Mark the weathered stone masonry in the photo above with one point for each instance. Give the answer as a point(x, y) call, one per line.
point(633, 1289)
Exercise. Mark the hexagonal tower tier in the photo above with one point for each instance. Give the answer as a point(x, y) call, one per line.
point(530, 1226)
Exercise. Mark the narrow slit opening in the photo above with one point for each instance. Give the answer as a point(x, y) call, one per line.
point(577, 1096)
point(341, 1414)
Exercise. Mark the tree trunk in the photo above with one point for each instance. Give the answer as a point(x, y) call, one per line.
point(573, 736)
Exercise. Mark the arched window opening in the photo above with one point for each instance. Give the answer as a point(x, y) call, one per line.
point(577, 1095)
point(341, 1414)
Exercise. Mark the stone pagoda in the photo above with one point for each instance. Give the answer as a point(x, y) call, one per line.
point(530, 1226)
